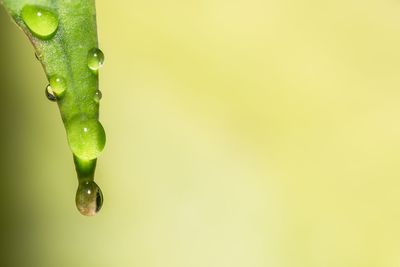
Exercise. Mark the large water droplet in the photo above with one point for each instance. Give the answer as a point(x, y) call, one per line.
point(58, 84)
point(50, 94)
point(95, 59)
point(86, 137)
point(97, 96)
point(89, 198)
point(41, 21)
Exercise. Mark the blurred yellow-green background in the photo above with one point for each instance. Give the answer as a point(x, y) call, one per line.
point(240, 134)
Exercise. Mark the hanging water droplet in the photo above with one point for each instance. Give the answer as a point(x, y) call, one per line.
point(49, 94)
point(41, 21)
point(97, 96)
point(89, 198)
point(58, 84)
point(95, 59)
point(86, 137)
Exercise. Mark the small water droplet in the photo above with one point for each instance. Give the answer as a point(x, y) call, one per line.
point(58, 84)
point(95, 59)
point(41, 21)
point(97, 96)
point(49, 94)
point(86, 137)
point(89, 198)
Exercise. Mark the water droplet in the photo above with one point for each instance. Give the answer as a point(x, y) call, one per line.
point(49, 93)
point(41, 21)
point(89, 198)
point(86, 137)
point(58, 84)
point(95, 59)
point(97, 96)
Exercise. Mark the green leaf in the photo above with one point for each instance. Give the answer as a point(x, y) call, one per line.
point(63, 32)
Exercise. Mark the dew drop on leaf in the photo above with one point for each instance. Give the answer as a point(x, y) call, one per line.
point(86, 137)
point(89, 198)
point(58, 84)
point(41, 22)
point(95, 59)
point(50, 94)
point(97, 96)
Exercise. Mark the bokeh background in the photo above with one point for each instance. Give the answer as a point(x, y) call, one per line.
point(240, 134)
